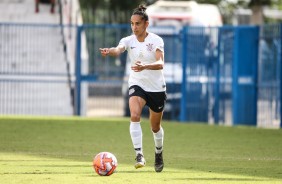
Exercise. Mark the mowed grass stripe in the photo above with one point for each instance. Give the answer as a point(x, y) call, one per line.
point(60, 150)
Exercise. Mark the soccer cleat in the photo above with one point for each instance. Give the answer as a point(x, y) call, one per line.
point(159, 163)
point(140, 161)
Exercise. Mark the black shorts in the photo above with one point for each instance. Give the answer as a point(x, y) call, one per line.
point(154, 100)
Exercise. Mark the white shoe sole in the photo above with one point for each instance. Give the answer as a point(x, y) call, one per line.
point(139, 165)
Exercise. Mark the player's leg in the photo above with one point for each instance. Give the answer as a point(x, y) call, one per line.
point(136, 105)
point(158, 134)
point(52, 2)
point(36, 6)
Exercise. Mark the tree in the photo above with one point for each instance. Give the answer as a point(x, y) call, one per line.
point(257, 11)
point(277, 4)
point(209, 1)
point(108, 11)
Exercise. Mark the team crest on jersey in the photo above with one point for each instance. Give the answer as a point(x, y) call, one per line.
point(149, 47)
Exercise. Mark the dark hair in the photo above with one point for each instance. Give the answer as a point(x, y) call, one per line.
point(141, 10)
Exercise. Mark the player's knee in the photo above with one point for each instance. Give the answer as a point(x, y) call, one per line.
point(155, 129)
point(135, 117)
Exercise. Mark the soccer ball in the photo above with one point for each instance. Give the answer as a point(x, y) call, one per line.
point(105, 163)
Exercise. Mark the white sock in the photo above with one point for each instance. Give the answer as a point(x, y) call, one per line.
point(159, 140)
point(136, 136)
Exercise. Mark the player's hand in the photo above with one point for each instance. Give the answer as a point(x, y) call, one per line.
point(138, 67)
point(104, 51)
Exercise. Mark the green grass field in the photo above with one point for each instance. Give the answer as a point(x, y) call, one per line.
point(60, 150)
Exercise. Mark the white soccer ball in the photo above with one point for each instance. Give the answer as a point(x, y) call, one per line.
point(105, 163)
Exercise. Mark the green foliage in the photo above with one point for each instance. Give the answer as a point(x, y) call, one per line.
point(259, 2)
point(277, 4)
point(107, 12)
point(209, 1)
point(124, 5)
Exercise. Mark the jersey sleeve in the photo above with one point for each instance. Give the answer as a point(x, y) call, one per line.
point(159, 44)
point(124, 43)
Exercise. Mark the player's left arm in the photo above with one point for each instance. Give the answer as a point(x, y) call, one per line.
point(157, 65)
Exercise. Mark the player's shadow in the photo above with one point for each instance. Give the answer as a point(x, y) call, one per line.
point(123, 172)
point(128, 172)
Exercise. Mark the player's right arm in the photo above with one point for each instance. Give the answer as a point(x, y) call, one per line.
point(114, 51)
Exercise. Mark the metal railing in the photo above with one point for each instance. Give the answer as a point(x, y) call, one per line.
point(232, 74)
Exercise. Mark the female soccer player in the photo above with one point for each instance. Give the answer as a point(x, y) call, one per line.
point(146, 82)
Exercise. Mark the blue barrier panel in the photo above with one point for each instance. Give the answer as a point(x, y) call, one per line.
point(78, 80)
point(280, 75)
point(183, 114)
point(280, 82)
point(245, 75)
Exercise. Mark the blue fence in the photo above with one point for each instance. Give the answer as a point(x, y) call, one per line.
point(214, 73)
point(269, 76)
point(227, 75)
